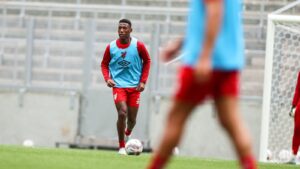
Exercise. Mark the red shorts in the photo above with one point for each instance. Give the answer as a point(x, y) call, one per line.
point(221, 83)
point(129, 95)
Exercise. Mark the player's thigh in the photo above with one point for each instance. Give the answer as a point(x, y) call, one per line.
point(225, 93)
point(180, 111)
point(229, 116)
point(189, 89)
point(133, 98)
point(120, 99)
point(119, 95)
point(226, 83)
point(133, 103)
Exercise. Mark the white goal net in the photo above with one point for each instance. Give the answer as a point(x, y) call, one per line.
point(282, 65)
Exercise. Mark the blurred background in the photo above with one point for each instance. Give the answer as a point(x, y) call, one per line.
point(52, 91)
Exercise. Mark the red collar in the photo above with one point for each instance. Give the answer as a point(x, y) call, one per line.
point(122, 46)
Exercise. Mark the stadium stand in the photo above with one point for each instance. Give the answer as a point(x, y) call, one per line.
point(59, 37)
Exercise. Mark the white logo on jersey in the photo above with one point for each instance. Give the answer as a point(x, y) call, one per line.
point(115, 96)
point(138, 101)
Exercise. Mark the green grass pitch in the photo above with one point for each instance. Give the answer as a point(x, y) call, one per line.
point(16, 157)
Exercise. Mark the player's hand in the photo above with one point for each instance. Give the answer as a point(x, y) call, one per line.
point(169, 51)
point(141, 87)
point(110, 83)
point(292, 112)
point(203, 70)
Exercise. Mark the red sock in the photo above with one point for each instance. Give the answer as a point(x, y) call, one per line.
point(248, 162)
point(122, 144)
point(127, 132)
point(157, 163)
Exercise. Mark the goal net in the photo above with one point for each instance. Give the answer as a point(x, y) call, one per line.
point(282, 65)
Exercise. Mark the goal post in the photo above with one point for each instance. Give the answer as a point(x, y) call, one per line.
point(282, 63)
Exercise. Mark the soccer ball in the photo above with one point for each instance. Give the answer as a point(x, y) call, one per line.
point(28, 143)
point(284, 155)
point(134, 147)
point(269, 155)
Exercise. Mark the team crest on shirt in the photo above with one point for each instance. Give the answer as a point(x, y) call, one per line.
point(123, 54)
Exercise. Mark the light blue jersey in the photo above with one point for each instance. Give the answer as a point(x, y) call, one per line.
point(228, 52)
point(125, 65)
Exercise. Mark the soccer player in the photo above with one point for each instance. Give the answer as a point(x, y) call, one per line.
point(295, 112)
point(213, 57)
point(125, 68)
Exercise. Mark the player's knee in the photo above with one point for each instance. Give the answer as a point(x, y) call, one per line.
point(122, 113)
point(123, 110)
point(122, 117)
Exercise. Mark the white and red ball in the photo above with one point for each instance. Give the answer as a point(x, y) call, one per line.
point(134, 147)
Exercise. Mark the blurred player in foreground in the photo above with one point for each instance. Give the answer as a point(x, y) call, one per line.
point(125, 68)
point(295, 112)
point(213, 49)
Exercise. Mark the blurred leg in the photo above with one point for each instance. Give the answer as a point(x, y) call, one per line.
point(176, 119)
point(229, 116)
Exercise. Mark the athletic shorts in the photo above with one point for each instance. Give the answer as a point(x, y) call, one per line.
point(129, 95)
point(221, 83)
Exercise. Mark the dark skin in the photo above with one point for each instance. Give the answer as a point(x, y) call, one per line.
point(125, 111)
point(124, 30)
point(227, 106)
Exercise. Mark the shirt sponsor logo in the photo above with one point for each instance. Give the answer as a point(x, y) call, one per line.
point(124, 63)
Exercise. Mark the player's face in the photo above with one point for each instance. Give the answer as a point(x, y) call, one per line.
point(124, 30)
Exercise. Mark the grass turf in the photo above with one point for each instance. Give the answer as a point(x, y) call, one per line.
point(16, 157)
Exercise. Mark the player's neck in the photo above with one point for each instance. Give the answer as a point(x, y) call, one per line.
point(125, 41)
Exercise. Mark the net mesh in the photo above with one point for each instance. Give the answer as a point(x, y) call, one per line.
point(286, 64)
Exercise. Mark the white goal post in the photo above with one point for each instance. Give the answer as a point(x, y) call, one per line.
point(282, 64)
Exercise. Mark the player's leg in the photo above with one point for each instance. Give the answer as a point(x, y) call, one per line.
point(131, 121)
point(226, 89)
point(121, 106)
point(133, 103)
point(121, 122)
point(131, 118)
point(230, 119)
point(188, 95)
point(176, 120)
point(296, 136)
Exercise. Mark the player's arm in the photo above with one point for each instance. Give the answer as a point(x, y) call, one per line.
point(214, 15)
point(146, 65)
point(171, 49)
point(105, 68)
